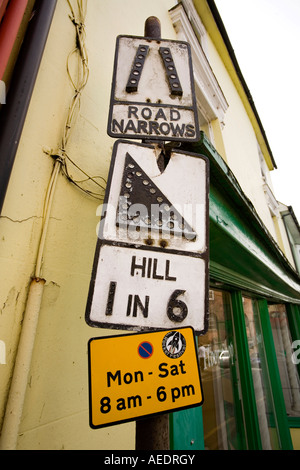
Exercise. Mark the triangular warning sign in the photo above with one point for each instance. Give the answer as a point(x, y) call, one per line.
point(142, 204)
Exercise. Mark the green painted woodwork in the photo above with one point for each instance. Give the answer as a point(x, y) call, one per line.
point(243, 257)
point(236, 440)
point(274, 377)
point(242, 252)
point(248, 395)
point(293, 315)
point(186, 430)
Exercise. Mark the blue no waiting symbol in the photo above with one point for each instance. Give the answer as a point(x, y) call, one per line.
point(145, 349)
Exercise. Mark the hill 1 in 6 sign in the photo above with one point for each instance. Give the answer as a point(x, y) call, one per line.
point(151, 261)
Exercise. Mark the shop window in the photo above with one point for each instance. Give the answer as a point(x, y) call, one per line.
point(285, 357)
point(222, 410)
point(260, 376)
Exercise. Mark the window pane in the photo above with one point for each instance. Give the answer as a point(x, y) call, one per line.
point(287, 369)
point(261, 383)
point(222, 411)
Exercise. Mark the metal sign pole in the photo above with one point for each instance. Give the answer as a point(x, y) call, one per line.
point(152, 28)
point(153, 433)
point(152, 273)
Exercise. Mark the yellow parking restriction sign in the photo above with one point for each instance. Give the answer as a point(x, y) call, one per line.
point(137, 375)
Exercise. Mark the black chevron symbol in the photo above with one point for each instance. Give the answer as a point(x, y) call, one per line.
point(169, 65)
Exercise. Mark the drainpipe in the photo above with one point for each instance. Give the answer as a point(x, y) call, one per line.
point(15, 113)
point(9, 29)
point(14, 407)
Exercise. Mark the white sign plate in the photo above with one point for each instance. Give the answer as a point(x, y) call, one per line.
point(151, 263)
point(153, 93)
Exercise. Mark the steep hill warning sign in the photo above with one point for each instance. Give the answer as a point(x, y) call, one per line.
point(151, 261)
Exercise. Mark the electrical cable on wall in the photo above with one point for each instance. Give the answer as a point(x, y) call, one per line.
point(78, 84)
point(19, 381)
point(62, 159)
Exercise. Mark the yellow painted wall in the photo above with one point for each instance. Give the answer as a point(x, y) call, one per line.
point(241, 132)
point(55, 414)
point(242, 155)
point(295, 433)
point(240, 143)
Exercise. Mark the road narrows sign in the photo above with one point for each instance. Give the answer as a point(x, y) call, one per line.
point(152, 94)
point(151, 262)
point(137, 375)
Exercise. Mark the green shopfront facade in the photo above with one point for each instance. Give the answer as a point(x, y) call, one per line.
point(248, 357)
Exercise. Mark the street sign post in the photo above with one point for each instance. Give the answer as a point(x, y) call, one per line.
point(152, 94)
point(150, 271)
point(151, 262)
point(136, 375)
